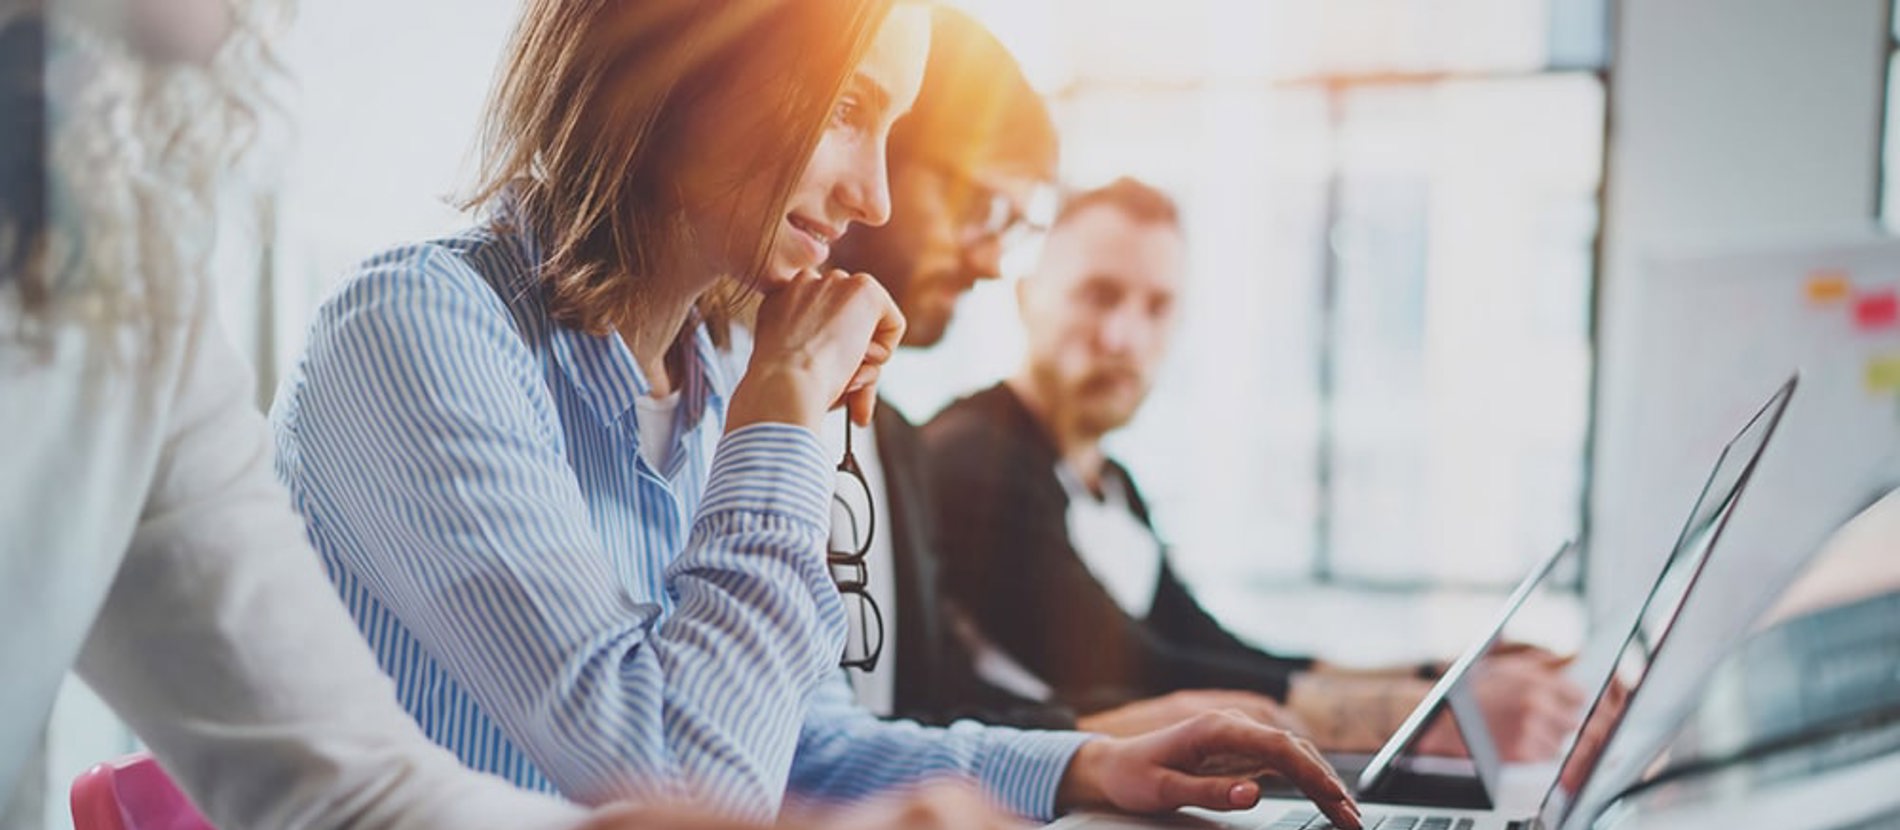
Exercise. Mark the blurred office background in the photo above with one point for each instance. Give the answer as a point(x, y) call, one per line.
point(1420, 230)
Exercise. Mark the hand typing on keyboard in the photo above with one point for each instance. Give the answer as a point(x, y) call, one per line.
point(1208, 761)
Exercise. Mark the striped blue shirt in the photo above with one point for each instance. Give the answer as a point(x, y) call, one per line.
point(554, 609)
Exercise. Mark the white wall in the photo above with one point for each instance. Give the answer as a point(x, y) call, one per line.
point(1731, 120)
point(387, 100)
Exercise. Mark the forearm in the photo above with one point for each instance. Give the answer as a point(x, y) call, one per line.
point(267, 707)
point(710, 701)
point(533, 623)
point(1353, 713)
point(1375, 672)
point(845, 753)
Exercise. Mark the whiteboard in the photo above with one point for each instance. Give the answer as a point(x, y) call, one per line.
point(1715, 335)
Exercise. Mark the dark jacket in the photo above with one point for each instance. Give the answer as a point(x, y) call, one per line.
point(936, 681)
point(1003, 515)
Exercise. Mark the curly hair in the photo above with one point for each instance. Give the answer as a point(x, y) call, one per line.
point(108, 189)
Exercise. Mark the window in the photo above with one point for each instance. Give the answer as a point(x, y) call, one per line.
point(1383, 373)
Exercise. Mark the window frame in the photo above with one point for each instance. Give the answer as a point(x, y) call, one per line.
point(1336, 88)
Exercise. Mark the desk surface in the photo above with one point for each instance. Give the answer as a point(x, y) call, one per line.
point(1860, 796)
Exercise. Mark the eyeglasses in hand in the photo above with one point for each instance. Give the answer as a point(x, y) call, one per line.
point(853, 521)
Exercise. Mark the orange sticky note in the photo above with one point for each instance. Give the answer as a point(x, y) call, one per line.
point(1826, 287)
point(1883, 374)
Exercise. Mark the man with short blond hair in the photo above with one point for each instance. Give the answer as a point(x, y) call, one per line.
point(1051, 548)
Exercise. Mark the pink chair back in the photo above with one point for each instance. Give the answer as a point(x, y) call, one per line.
point(132, 793)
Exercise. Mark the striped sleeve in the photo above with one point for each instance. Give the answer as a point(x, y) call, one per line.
point(422, 425)
point(847, 753)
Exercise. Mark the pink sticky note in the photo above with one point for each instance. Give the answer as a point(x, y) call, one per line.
point(1878, 310)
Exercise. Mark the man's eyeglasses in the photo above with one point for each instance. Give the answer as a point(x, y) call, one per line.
point(853, 520)
point(987, 212)
point(992, 214)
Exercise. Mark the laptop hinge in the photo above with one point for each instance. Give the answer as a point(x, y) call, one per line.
point(1468, 715)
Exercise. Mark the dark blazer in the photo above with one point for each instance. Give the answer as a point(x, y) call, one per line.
point(1003, 514)
point(936, 680)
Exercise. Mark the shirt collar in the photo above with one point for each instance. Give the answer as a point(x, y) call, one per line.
point(602, 367)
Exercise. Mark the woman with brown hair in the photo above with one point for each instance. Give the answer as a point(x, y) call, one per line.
point(144, 540)
point(593, 562)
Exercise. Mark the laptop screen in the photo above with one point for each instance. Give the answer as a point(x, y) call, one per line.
point(1664, 603)
point(1453, 690)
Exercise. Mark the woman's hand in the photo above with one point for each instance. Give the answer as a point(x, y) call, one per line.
point(1209, 761)
point(820, 340)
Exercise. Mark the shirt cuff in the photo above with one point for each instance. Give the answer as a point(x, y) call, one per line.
point(1024, 770)
point(773, 468)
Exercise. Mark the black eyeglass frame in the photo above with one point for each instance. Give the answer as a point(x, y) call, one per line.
point(858, 580)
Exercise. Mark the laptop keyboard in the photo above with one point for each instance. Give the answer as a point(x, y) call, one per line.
point(1310, 820)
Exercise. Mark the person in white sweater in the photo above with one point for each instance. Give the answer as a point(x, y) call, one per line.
point(144, 539)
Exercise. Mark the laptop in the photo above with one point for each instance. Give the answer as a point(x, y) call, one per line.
point(1638, 644)
point(1453, 782)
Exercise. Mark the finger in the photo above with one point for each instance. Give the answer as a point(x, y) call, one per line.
point(1570, 693)
point(1559, 717)
point(867, 375)
point(769, 290)
point(1544, 739)
point(1548, 746)
point(859, 397)
point(1566, 722)
point(1284, 718)
point(1312, 752)
point(877, 354)
point(890, 324)
point(863, 405)
point(1534, 748)
point(1178, 789)
point(1276, 716)
point(1336, 802)
point(1534, 653)
point(1344, 814)
point(1280, 752)
point(1504, 648)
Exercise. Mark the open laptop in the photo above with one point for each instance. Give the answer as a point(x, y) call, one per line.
point(1394, 776)
point(1639, 644)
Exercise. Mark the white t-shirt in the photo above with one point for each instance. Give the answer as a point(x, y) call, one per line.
point(1118, 548)
point(654, 421)
point(876, 690)
point(146, 543)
